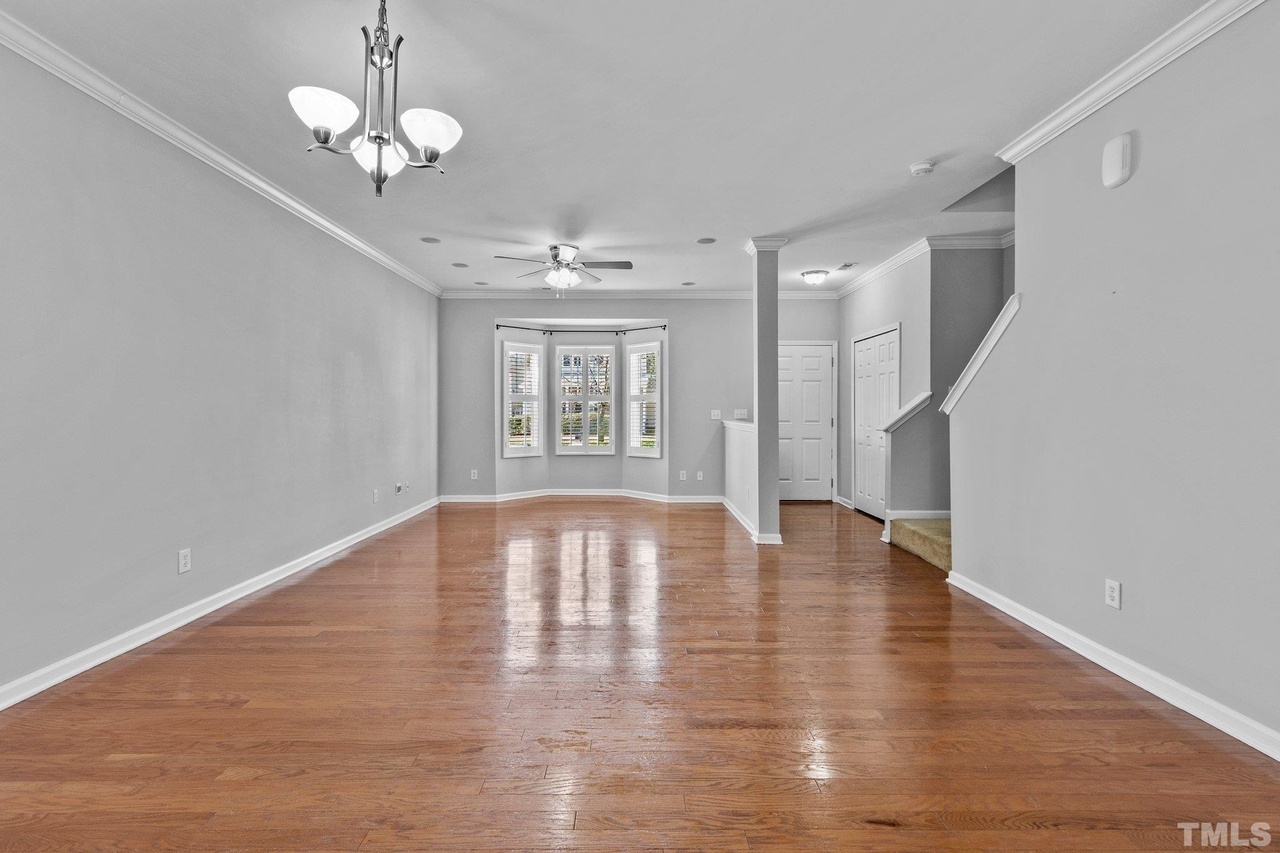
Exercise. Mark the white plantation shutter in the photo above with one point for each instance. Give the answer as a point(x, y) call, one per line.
point(521, 415)
point(644, 396)
point(584, 399)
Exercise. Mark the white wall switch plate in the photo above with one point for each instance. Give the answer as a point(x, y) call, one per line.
point(375, 495)
point(1113, 594)
point(475, 475)
point(739, 414)
point(715, 414)
point(184, 561)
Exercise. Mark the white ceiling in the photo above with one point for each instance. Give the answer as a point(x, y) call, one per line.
point(632, 129)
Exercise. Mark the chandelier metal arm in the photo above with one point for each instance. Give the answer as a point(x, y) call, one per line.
point(368, 63)
point(395, 88)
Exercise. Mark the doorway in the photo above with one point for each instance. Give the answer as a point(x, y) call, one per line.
point(875, 400)
point(806, 420)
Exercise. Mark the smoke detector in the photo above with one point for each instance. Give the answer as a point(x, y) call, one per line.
point(924, 167)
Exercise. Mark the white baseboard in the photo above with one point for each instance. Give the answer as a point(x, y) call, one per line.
point(741, 517)
point(891, 514)
point(756, 536)
point(607, 493)
point(844, 502)
point(1245, 729)
point(42, 679)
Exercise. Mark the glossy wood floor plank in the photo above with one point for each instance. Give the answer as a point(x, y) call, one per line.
point(609, 675)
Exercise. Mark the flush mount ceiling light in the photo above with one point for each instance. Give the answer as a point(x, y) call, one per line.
point(814, 277)
point(376, 148)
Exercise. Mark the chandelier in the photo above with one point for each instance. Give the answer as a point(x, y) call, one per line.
point(377, 151)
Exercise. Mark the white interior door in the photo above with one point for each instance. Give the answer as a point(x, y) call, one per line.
point(806, 422)
point(875, 399)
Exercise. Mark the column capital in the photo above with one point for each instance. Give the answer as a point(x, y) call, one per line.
point(764, 244)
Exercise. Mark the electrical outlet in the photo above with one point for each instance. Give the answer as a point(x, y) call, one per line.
point(184, 561)
point(715, 414)
point(699, 475)
point(475, 475)
point(739, 414)
point(399, 488)
point(684, 475)
point(375, 495)
point(1113, 594)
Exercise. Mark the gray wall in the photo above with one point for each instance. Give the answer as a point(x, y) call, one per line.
point(1125, 426)
point(709, 367)
point(1010, 279)
point(808, 320)
point(900, 295)
point(182, 364)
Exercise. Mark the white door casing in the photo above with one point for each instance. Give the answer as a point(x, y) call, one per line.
point(875, 399)
point(806, 421)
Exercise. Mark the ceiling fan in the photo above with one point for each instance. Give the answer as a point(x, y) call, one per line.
point(564, 270)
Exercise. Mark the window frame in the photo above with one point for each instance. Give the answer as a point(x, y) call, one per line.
point(656, 397)
point(508, 397)
point(586, 350)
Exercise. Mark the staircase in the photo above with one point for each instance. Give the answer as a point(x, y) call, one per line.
point(927, 538)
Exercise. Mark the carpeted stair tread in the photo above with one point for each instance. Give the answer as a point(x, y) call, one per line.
point(927, 538)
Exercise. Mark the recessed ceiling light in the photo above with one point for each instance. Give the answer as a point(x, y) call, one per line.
point(432, 240)
point(707, 241)
point(462, 266)
point(483, 283)
point(687, 283)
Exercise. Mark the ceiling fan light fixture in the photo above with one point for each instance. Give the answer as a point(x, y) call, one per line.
point(814, 277)
point(566, 252)
point(563, 277)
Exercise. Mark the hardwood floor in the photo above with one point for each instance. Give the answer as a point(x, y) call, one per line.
point(612, 675)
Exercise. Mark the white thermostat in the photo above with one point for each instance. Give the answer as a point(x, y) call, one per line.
point(1117, 161)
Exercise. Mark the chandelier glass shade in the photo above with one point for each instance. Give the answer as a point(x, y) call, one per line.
point(376, 149)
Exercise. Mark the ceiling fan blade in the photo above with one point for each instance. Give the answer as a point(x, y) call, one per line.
point(589, 275)
point(607, 265)
point(535, 272)
point(526, 260)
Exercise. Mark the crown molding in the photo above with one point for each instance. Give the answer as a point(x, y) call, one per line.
point(1007, 240)
point(1191, 31)
point(990, 242)
point(808, 294)
point(764, 244)
point(825, 295)
point(915, 250)
point(596, 294)
point(44, 53)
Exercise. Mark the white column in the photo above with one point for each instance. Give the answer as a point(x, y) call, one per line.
point(764, 302)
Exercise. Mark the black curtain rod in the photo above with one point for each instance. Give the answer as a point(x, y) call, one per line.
point(663, 327)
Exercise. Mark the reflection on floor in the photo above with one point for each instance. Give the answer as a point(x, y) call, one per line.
point(613, 675)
